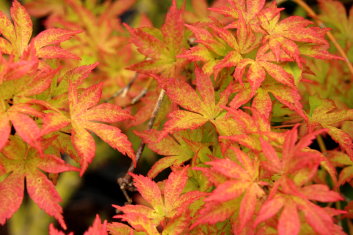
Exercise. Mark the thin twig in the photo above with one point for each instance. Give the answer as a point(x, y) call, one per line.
point(125, 181)
point(322, 145)
point(123, 91)
point(142, 93)
point(313, 15)
point(280, 1)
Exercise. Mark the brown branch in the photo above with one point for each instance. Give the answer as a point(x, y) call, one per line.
point(142, 93)
point(125, 182)
point(123, 91)
point(313, 15)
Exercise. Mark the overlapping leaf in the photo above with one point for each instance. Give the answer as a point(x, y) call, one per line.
point(85, 115)
point(294, 156)
point(165, 206)
point(161, 46)
point(340, 159)
point(281, 36)
point(326, 115)
point(296, 200)
point(246, 129)
point(20, 108)
point(247, 8)
point(219, 48)
point(25, 126)
point(23, 163)
point(239, 193)
point(176, 149)
point(16, 36)
point(97, 228)
point(200, 105)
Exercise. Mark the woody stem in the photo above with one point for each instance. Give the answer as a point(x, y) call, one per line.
point(123, 90)
point(125, 182)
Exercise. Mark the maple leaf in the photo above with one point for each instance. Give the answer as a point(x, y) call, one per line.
point(340, 159)
point(219, 48)
point(76, 75)
point(44, 44)
point(59, 116)
point(258, 70)
point(288, 96)
point(334, 14)
point(25, 126)
point(23, 163)
point(161, 46)
point(295, 156)
point(11, 70)
point(165, 205)
point(16, 36)
point(213, 49)
point(176, 148)
point(14, 87)
point(92, 22)
point(246, 129)
point(86, 114)
point(281, 36)
point(258, 89)
point(297, 199)
point(287, 39)
point(261, 85)
point(119, 228)
point(54, 231)
point(238, 193)
point(292, 163)
point(247, 8)
point(20, 109)
point(324, 113)
point(98, 228)
point(349, 210)
point(199, 15)
point(199, 107)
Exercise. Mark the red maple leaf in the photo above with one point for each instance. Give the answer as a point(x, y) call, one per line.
point(327, 115)
point(97, 228)
point(294, 155)
point(23, 163)
point(240, 191)
point(245, 129)
point(85, 115)
point(248, 9)
point(200, 105)
point(295, 199)
point(161, 46)
point(20, 106)
point(166, 206)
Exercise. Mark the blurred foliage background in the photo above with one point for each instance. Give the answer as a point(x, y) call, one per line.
point(84, 197)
